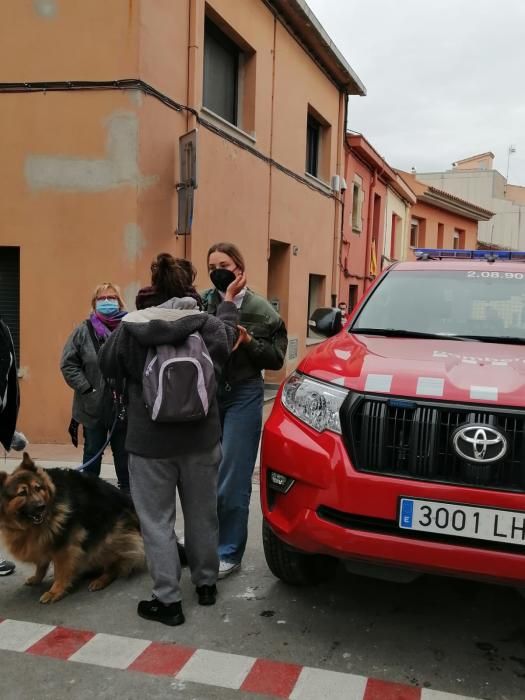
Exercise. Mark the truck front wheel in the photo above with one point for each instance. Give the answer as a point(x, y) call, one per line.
point(291, 566)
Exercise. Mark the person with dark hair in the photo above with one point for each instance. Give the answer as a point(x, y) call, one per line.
point(166, 456)
point(170, 277)
point(262, 345)
point(10, 439)
point(93, 405)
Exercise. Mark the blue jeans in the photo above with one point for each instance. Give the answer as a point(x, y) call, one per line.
point(94, 438)
point(241, 417)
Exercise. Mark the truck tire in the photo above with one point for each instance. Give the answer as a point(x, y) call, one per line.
point(291, 566)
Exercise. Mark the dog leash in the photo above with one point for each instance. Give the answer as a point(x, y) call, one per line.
point(120, 414)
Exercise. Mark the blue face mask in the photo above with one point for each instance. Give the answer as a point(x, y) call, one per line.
point(107, 307)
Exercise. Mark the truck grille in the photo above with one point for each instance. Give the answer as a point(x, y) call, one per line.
point(413, 439)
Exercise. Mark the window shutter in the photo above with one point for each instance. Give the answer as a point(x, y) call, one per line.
point(360, 210)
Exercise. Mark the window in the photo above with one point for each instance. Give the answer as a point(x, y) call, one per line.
point(318, 141)
point(353, 296)
point(313, 142)
point(458, 241)
point(357, 204)
point(393, 226)
point(10, 292)
point(316, 287)
point(441, 235)
point(397, 225)
point(221, 73)
point(414, 233)
point(417, 232)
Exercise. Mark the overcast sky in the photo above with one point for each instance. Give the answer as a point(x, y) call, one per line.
point(445, 80)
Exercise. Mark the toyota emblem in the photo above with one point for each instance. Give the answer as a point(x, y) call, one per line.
point(479, 443)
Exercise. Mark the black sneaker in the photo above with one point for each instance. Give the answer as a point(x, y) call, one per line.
point(6, 567)
point(158, 612)
point(207, 594)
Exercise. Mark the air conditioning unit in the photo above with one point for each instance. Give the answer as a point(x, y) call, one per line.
point(338, 183)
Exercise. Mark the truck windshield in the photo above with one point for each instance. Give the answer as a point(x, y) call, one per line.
point(482, 305)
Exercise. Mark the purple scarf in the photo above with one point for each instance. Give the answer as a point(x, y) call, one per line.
point(105, 325)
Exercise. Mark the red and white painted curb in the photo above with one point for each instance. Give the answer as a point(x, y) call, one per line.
point(219, 669)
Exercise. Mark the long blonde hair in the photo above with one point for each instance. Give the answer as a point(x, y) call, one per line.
point(104, 287)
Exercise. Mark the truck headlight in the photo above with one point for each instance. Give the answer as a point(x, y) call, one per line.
point(315, 403)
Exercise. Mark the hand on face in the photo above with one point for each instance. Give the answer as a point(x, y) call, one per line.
point(238, 284)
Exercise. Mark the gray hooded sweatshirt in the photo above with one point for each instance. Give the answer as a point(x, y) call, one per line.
point(124, 355)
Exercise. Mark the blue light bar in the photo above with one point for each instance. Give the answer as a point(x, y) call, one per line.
point(489, 255)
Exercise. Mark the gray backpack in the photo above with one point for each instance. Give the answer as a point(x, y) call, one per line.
point(178, 383)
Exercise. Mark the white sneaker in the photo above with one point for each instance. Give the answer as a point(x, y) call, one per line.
point(19, 441)
point(6, 567)
point(227, 567)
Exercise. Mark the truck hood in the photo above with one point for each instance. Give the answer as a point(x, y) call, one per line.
point(459, 371)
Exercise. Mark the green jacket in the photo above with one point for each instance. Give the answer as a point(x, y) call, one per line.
point(267, 350)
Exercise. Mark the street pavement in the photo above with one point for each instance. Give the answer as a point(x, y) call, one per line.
point(416, 641)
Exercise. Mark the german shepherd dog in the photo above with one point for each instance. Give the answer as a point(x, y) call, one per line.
point(77, 521)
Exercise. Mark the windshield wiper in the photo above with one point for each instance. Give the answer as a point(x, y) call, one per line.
point(398, 333)
point(508, 339)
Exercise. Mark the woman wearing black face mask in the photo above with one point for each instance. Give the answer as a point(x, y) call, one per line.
point(261, 345)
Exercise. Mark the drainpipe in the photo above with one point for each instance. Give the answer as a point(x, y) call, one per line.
point(268, 244)
point(369, 224)
point(193, 48)
point(341, 128)
point(195, 9)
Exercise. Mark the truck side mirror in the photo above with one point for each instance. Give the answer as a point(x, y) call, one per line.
point(326, 321)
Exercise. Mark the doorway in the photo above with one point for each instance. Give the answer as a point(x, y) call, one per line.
point(278, 293)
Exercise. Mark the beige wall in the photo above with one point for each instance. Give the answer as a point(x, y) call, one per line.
point(71, 206)
point(396, 205)
point(483, 162)
point(45, 40)
point(163, 46)
point(298, 84)
point(515, 193)
point(88, 177)
point(487, 189)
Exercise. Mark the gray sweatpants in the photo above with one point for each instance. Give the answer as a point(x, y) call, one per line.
point(154, 485)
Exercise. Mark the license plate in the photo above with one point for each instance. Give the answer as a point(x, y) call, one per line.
point(462, 521)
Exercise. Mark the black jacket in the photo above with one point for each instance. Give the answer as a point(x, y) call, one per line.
point(124, 355)
point(9, 395)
